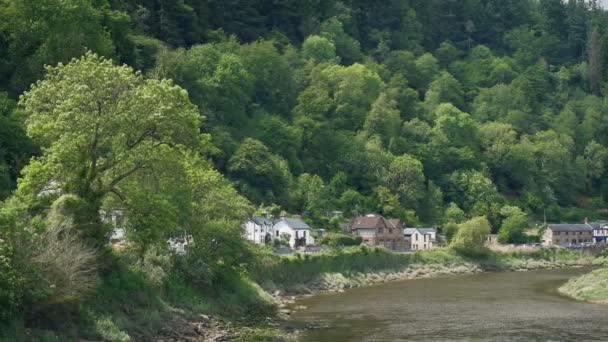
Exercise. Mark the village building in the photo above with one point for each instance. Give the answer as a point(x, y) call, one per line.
point(295, 231)
point(567, 234)
point(259, 229)
point(379, 231)
point(420, 238)
point(600, 232)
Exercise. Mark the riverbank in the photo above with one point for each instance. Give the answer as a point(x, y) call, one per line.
point(252, 306)
point(591, 287)
point(336, 271)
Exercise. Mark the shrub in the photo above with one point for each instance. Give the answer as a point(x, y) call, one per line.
point(341, 240)
point(471, 235)
point(64, 266)
point(155, 265)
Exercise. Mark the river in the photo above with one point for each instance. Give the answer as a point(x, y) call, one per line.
point(513, 306)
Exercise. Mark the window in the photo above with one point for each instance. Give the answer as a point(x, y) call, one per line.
point(390, 231)
point(380, 230)
point(416, 237)
point(567, 233)
point(277, 233)
point(557, 233)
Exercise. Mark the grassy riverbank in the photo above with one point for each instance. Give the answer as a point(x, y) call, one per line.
point(359, 266)
point(245, 307)
point(591, 287)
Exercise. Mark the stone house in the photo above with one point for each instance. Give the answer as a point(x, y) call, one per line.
point(420, 238)
point(567, 234)
point(379, 231)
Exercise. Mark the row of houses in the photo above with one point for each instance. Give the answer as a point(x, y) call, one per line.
point(575, 234)
point(375, 230)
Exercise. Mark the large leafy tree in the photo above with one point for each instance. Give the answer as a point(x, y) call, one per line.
point(100, 125)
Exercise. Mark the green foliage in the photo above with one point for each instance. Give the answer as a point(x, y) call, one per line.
point(512, 228)
point(340, 240)
point(319, 49)
point(471, 235)
point(11, 283)
point(394, 107)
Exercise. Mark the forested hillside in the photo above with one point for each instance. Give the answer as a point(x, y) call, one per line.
point(189, 115)
point(398, 107)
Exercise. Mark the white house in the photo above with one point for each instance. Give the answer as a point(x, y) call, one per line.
point(297, 231)
point(420, 238)
point(259, 230)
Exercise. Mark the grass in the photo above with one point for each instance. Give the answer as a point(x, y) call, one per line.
point(591, 287)
point(358, 266)
point(126, 307)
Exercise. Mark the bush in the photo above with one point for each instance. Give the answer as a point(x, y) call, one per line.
point(341, 240)
point(65, 267)
point(155, 265)
point(471, 235)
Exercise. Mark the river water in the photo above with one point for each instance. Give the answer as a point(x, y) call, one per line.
point(514, 306)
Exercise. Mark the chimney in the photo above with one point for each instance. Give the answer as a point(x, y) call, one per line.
point(264, 214)
point(586, 220)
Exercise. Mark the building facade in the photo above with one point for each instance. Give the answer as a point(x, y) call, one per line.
point(420, 238)
point(375, 230)
point(259, 230)
point(567, 234)
point(295, 231)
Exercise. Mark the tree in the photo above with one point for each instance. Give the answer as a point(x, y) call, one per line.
point(471, 235)
point(262, 172)
point(595, 62)
point(444, 89)
point(406, 179)
point(513, 225)
point(100, 125)
point(319, 49)
point(383, 120)
point(51, 32)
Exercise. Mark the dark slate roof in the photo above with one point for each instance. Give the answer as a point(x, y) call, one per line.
point(262, 221)
point(570, 227)
point(295, 223)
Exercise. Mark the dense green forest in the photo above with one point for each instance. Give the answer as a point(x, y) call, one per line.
point(192, 114)
point(398, 107)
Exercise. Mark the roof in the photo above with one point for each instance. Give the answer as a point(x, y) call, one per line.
point(372, 222)
point(598, 225)
point(295, 223)
point(395, 222)
point(570, 227)
point(262, 221)
point(410, 231)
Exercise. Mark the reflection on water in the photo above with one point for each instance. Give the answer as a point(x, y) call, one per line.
point(517, 306)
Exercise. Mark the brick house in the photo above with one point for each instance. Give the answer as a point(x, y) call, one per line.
point(379, 231)
point(567, 234)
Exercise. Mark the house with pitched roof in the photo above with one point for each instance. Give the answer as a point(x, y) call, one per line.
point(259, 229)
point(420, 238)
point(379, 231)
point(600, 232)
point(567, 234)
point(296, 231)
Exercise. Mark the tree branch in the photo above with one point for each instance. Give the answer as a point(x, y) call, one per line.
point(118, 179)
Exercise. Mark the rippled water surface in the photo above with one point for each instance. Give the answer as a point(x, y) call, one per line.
point(516, 306)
